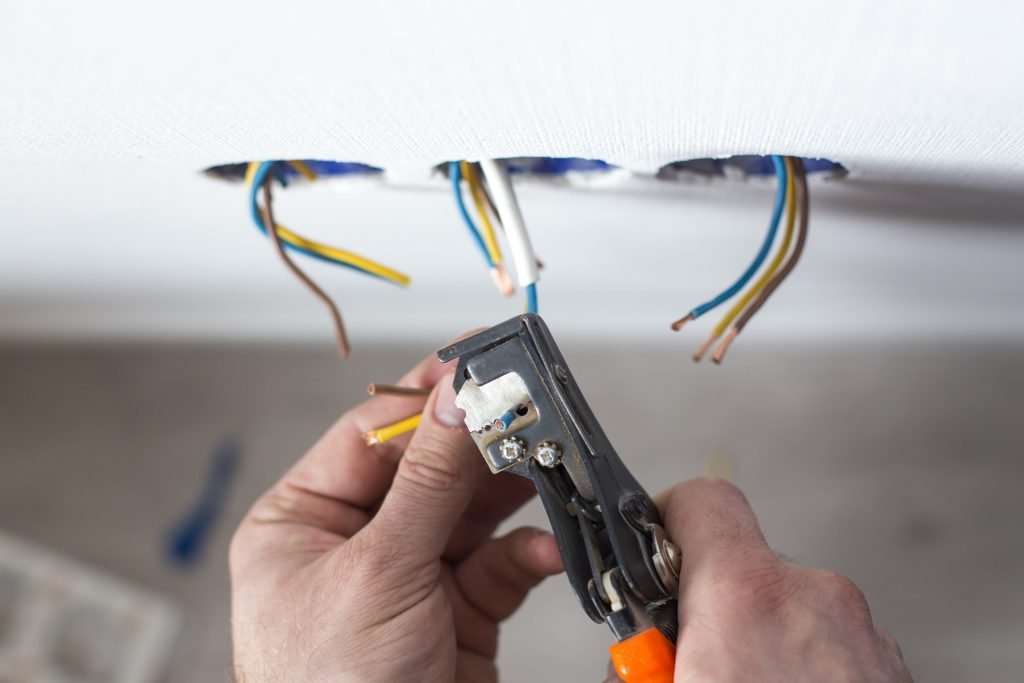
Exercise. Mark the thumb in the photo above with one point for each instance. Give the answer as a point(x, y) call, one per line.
point(714, 525)
point(435, 480)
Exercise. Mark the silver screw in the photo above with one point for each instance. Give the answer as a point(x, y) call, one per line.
point(562, 374)
point(548, 453)
point(512, 449)
point(667, 558)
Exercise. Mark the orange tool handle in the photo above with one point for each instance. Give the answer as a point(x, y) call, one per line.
point(647, 657)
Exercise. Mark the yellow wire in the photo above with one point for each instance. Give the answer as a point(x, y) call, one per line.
point(250, 171)
point(490, 239)
point(303, 169)
point(388, 432)
point(351, 258)
point(748, 296)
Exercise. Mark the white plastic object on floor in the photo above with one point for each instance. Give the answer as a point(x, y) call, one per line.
point(63, 622)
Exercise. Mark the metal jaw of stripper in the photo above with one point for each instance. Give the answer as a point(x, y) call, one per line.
point(527, 415)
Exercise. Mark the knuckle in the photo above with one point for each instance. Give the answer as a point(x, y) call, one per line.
point(760, 590)
point(713, 488)
point(721, 511)
point(890, 642)
point(682, 498)
point(428, 475)
point(431, 464)
point(718, 497)
point(509, 565)
point(273, 506)
point(843, 595)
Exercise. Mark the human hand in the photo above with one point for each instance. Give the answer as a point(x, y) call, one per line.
point(378, 563)
point(747, 615)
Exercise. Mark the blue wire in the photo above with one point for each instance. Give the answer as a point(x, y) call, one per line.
point(254, 210)
point(456, 177)
point(773, 226)
point(531, 298)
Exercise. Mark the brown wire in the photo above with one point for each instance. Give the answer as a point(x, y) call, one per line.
point(487, 193)
point(268, 221)
point(803, 204)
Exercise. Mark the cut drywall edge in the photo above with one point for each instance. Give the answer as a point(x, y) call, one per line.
point(573, 172)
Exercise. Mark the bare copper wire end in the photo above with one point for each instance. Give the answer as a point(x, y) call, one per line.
point(501, 280)
point(678, 325)
point(703, 348)
point(267, 213)
point(719, 353)
point(395, 390)
point(370, 438)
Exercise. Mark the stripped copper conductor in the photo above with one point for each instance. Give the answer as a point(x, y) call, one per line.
point(395, 390)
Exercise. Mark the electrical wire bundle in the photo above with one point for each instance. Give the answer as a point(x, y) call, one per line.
point(496, 198)
point(792, 195)
point(259, 177)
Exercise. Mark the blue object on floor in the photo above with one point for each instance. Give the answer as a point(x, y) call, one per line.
point(186, 539)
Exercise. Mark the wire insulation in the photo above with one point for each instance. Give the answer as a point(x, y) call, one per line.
point(803, 202)
point(762, 253)
point(275, 238)
point(324, 252)
point(250, 171)
point(511, 218)
point(388, 432)
point(531, 298)
point(773, 265)
point(455, 175)
point(343, 255)
point(487, 230)
point(803, 199)
point(303, 169)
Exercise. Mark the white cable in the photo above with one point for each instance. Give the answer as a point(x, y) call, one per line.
point(512, 220)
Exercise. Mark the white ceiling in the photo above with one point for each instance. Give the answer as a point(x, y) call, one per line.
point(109, 108)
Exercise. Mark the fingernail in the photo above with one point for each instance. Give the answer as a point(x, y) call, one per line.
point(445, 410)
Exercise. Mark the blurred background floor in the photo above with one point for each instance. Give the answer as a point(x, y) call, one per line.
point(900, 466)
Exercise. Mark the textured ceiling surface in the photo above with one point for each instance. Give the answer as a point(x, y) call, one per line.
point(922, 85)
point(110, 107)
